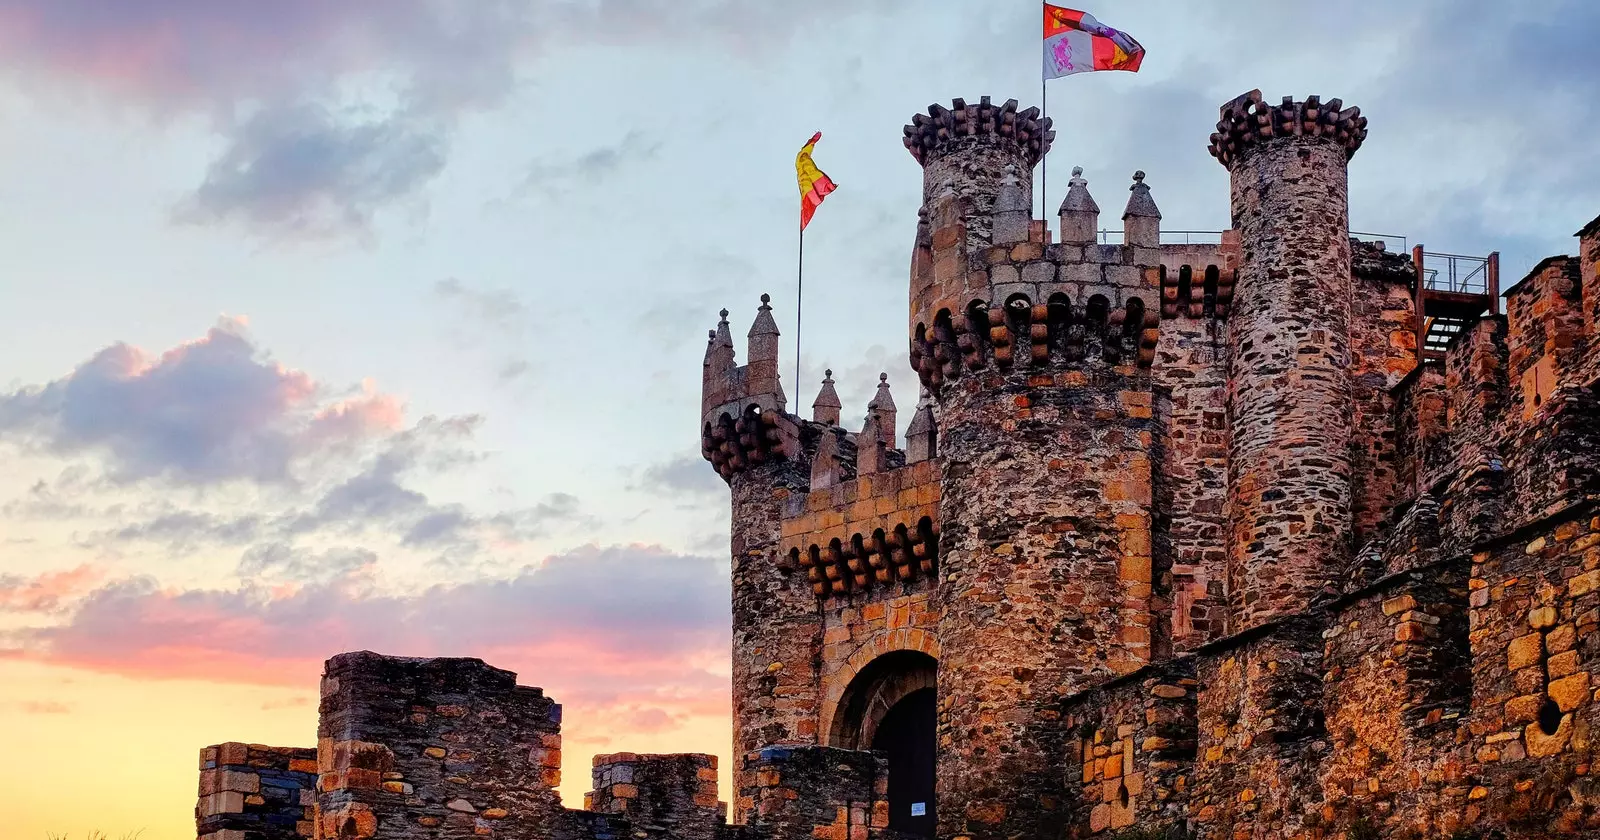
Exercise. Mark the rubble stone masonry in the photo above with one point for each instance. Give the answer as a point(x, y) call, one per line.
point(256, 792)
point(1185, 539)
point(1290, 410)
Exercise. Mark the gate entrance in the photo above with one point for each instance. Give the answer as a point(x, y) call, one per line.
point(907, 734)
point(890, 706)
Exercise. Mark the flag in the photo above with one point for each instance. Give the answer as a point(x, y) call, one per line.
point(814, 184)
point(1074, 42)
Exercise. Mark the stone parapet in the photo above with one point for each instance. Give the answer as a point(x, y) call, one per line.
point(664, 797)
point(1249, 123)
point(872, 531)
point(436, 748)
point(933, 135)
point(817, 793)
point(256, 792)
point(1132, 756)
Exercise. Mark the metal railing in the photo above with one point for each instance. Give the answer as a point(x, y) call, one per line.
point(1455, 273)
point(1214, 237)
point(1386, 238)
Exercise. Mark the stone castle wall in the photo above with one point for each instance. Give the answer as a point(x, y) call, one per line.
point(1187, 538)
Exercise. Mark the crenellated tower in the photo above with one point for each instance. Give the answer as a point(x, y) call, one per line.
point(777, 630)
point(1290, 409)
point(1038, 355)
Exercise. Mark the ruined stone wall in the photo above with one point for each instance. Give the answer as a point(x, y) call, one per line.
point(436, 748)
point(256, 792)
point(1395, 690)
point(1553, 427)
point(1589, 281)
point(1469, 481)
point(817, 793)
point(1535, 624)
point(1545, 333)
point(663, 797)
point(1131, 757)
point(1383, 350)
point(1289, 399)
point(1262, 738)
point(1422, 431)
point(1190, 370)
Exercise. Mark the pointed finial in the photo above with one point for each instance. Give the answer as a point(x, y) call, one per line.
point(766, 299)
point(724, 315)
point(1078, 199)
point(1140, 203)
point(827, 375)
point(883, 400)
point(827, 408)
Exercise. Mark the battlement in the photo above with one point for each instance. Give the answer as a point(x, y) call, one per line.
point(1197, 281)
point(1248, 122)
point(743, 422)
point(932, 136)
point(867, 532)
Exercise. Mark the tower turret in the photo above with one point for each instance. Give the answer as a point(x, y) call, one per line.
point(1038, 356)
point(1289, 398)
point(777, 631)
point(763, 376)
point(882, 410)
point(1080, 216)
point(827, 408)
point(1141, 222)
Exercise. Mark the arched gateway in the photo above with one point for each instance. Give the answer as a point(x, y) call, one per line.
point(889, 706)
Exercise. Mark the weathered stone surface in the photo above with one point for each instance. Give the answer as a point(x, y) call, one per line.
point(1183, 536)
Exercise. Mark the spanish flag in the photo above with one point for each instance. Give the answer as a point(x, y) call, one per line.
point(814, 183)
point(1074, 42)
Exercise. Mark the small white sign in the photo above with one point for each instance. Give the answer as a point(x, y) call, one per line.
point(919, 809)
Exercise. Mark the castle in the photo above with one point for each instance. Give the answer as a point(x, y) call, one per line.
point(1279, 536)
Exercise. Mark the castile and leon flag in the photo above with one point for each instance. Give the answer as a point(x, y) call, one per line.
point(814, 183)
point(1074, 42)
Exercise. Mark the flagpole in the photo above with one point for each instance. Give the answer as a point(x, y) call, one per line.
point(1044, 156)
point(799, 303)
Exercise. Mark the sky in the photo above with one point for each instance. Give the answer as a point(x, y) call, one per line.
point(378, 324)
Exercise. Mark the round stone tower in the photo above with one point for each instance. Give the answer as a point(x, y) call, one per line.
point(1037, 355)
point(1289, 397)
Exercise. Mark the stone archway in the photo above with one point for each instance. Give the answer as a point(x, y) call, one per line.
point(890, 706)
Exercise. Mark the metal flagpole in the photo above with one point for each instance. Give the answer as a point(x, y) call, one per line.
point(799, 299)
point(1044, 158)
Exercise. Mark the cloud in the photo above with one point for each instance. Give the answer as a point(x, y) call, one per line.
point(302, 162)
point(39, 707)
point(280, 561)
point(300, 171)
point(592, 167)
point(688, 475)
point(209, 411)
point(493, 319)
point(48, 591)
point(634, 625)
point(187, 531)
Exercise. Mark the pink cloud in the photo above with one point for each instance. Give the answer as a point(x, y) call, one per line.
point(47, 591)
point(209, 410)
point(625, 628)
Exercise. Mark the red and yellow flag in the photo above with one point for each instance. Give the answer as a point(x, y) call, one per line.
point(1074, 42)
point(814, 183)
